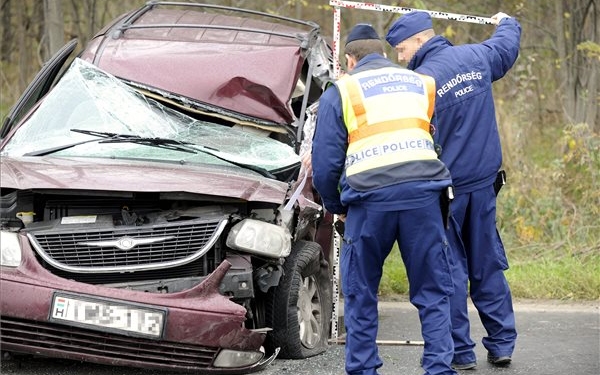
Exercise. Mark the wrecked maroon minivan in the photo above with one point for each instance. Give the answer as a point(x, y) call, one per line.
point(153, 210)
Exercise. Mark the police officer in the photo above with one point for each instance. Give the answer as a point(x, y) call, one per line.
point(466, 129)
point(374, 162)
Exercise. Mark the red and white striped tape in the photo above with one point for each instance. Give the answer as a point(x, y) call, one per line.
point(337, 4)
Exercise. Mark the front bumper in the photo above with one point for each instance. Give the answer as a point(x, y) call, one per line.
point(198, 324)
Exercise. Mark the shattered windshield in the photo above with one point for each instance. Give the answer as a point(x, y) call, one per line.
point(88, 101)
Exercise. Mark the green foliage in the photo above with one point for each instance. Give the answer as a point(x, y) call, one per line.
point(591, 49)
point(577, 173)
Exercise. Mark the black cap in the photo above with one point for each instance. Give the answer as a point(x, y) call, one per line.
point(362, 31)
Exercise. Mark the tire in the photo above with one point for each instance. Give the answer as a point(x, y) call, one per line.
point(299, 308)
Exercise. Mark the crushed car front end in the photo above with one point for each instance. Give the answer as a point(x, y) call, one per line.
point(49, 316)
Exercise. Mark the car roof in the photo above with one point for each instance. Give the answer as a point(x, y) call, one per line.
point(240, 60)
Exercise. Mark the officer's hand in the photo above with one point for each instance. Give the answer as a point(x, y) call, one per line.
point(498, 17)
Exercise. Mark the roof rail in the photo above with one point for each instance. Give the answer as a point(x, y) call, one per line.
point(310, 24)
point(127, 23)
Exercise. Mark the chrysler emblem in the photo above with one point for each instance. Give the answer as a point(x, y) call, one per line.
point(126, 243)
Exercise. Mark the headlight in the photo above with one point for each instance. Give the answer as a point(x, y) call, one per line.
point(255, 236)
point(237, 358)
point(10, 249)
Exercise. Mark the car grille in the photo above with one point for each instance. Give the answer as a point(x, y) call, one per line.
point(27, 336)
point(159, 246)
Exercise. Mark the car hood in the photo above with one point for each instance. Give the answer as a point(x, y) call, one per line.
point(250, 73)
point(127, 175)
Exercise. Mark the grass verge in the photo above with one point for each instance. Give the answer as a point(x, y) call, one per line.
point(533, 274)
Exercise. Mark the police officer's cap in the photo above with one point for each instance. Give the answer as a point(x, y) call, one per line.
point(407, 26)
point(362, 31)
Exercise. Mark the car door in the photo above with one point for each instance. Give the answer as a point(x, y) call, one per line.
point(38, 87)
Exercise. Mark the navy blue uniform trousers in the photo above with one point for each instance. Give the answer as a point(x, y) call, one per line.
point(481, 262)
point(368, 239)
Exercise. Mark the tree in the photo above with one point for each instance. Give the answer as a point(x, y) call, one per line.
point(579, 58)
point(53, 28)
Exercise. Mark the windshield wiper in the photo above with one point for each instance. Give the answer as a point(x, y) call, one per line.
point(102, 134)
point(52, 150)
point(186, 147)
point(115, 138)
point(170, 144)
point(214, 152)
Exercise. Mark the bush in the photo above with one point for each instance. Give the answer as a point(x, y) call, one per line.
point(558, 205)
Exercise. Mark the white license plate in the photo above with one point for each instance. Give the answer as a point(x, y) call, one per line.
point(105, 315)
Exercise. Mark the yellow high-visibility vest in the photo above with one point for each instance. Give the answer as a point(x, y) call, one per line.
point(387, 112)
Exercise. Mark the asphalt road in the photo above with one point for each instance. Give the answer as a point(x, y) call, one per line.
point(555, 338)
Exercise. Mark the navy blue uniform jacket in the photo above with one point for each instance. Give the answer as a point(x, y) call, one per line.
point(465, 117)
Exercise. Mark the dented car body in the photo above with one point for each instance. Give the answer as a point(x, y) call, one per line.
point(153, 212)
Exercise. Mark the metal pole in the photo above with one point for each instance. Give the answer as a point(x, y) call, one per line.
point(336, 237)
point(337, 25)
point(342, 341)
point(336, 285)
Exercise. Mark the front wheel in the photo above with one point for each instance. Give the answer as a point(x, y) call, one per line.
point(300, 306)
